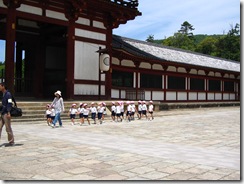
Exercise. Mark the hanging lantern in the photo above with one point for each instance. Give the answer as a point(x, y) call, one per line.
point(104, 62)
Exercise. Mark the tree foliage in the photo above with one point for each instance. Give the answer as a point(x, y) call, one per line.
point(224, 46)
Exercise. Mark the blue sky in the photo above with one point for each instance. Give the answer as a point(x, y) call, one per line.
point(162, 18)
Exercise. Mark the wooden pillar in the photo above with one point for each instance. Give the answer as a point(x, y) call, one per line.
point(10, 47)
point(19, 56)
point(70, 60)
point(108, 80)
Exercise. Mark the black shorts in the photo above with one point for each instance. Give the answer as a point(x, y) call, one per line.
point(128, 113)
point(48, 116)
point(113, 113)
point(139, 112)
point(72, 116)
point(93, 116)
point(85, 116)
point(144, 112)
point(81, 115)
point(118, 115)
point(99, 115)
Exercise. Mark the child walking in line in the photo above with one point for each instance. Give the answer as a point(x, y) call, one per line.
point(48, 114)
point(100, 110)
point(133, 110)
point(139, 109)
point(93, 112)
point(104, 111)
point(86, 112)
point(80, 112)
point(150, 110)
point(113, 111)
point(122, 109)
point(144, 109)
point(118, 111)
point(53, 113)
point(72, 113)
point(128, 111)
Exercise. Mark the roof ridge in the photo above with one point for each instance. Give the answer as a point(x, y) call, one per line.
point(177, 49)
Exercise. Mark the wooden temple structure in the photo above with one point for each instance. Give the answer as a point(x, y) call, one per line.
point(57, 45)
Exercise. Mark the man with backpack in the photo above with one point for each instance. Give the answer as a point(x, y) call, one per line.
point(5, 113)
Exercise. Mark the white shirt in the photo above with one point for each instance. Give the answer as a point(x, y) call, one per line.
point(93, 110)
point(140, 107)
point(144, 107)
point(150, 108)
point(118, 109)
point(113, 108)
point(86, 111)
point(81, 110)
point(73, 111)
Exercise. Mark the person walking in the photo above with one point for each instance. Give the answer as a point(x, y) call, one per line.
point(5, 114)
point(58, 104)
point(72, 113)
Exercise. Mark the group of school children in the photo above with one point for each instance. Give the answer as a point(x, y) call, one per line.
point(98, 111)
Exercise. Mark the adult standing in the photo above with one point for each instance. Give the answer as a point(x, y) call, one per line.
point(58, 104)
point(5, 113)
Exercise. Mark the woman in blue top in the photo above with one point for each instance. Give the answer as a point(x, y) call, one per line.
point(5, 113)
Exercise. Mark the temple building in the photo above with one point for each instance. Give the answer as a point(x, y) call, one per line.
point(69, 45)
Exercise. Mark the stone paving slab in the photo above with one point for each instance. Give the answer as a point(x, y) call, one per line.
point(185, 144)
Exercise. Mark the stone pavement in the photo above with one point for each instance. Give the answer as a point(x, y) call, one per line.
point(184, 144)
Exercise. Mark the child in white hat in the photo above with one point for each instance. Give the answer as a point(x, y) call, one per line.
point(72, 113)
point(150, 110)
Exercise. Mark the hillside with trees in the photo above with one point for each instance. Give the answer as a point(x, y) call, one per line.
point(224, 46)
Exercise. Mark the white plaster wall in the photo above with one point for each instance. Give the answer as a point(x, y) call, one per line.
point(182, 95)
point(232, 96)
point(201, 96)
point(102, 90)
point(2, 5)
point(157, 67)
point(128, 63)
point(211, 74)
point(147, 95)
point(98, 24)
point(115, 61)
point(85, 89)
point(232, 76)
point(30, 9)
point(86, 61)
point(55, 15)
point(90, 34)
point(170, 95)
point(83, 21)
point(145, 65)
point(217, 74)
point(226, 96)
point(182, 70)
point(193, 96)
point(210, 96)
point(201, 72)
point(218, 96)
point(123, 93)
point(193, 71)
point(157, 95)
point(171, 68)
point(115, 93)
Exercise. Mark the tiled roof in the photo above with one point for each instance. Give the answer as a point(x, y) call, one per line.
point(170, 54)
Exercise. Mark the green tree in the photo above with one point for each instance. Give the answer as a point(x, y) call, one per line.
point(150, 38)
point(180, 40)
point(208, 46)
point(186, 29)
point(229, 45)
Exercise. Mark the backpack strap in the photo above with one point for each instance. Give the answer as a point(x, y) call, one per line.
point(15, 104)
